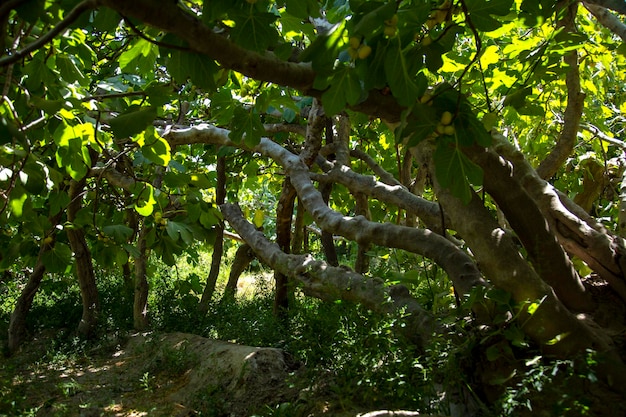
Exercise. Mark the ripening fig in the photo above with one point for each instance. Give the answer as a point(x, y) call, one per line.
point(390, 31)
point(364, 51)
point(449, 130)
point(354, 42)
point(48, 240)
point(446, 118)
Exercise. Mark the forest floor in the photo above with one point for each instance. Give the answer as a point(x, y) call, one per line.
point(139, 375)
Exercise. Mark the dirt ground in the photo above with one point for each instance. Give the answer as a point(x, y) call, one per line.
point(172, 374)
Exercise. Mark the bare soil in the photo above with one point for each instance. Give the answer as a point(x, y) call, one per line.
point(145, 374)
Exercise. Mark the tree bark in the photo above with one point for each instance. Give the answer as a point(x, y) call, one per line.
point(84, 264)
point(549, 259)
point(284, 215)
point(243, 257)
point(17, 323)
point(457, 264)
point(318, 279)
point(218, 245)
point(575, 101)
point(140, 302)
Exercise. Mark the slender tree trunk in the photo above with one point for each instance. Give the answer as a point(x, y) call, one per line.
point(297, 240)
point(328, 243)
point(17, 324)
point(361, 265)
point(218, 245)
point(243, 257)
point(284, 215)
point(140, 302)
point(84, 264)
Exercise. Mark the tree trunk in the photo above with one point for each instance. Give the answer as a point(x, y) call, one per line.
point(243, 257)
point(284, 215)
point(361, 265)
point(17, 324)
point(84, 264)
point(297, 241)
point(218, 245)
point(328, 242)
point(140, 302)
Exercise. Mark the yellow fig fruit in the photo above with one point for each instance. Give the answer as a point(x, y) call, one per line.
point(449, 130)
point(364, 51)
point(354, 54)
point(48, 240)
point(390, 31)
point(354, 42)
point(446, 118)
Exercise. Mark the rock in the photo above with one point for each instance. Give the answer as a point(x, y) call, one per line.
point(222, 377)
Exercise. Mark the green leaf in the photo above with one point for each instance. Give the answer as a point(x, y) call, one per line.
point(246, 125)
point(119, 232)
point(373, 17)
point(145, 200)
point(420, 123)
point(304, 9)
point(405, 86)
point(455, 171)
point(480, 11)
point(154, 147)
point(200, 69)
point(58, 259)
point(178, 229)
point(133, 121)
point(215, 9)
point(345, 87)
point(255, 31)
point(323, 51)
point(68, 69)
point(141, 57)
point(106, 19)
point(17, 200)
point(33, 178)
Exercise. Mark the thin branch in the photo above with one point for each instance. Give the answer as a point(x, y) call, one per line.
point(154, 41)
point(115, 95)
point(575, 102)
point(49, 36)
point(602, 136)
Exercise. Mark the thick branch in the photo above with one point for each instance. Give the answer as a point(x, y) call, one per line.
point(260, 66)
point(503, 265)
point(618, 6)
point(575, 101)
point(459, 266)
point(546, 254)
point(397, 195)
point(578, 232)
point(607, 19)
point(318, 279)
